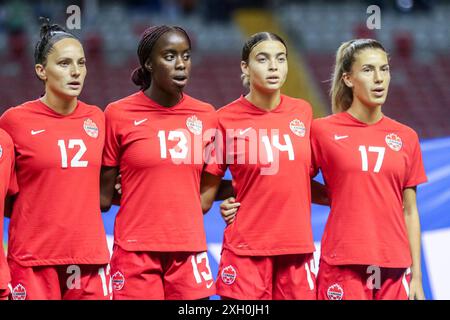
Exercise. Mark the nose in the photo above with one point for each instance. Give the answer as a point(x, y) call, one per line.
point(75, 71)
point(377, 77)
point(273, 65)
point(180, 63)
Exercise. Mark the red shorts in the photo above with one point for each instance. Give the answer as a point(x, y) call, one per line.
point(361, 282)
point(60, 282)
point(282, 277)
point(149, 275)
point(4, 293)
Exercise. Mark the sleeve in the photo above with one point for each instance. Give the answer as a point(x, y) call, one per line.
point(111, 152)
point(216, 161)
point(416, 170)
point(315, 151)
point(6, 122)
point(13, 187)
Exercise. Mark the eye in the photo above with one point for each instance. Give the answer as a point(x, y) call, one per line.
point(169, 57)
point(281, 59)
point(385, 69)
point(186, 56)
point(366, 70)
point(82, 62)
point(262, 59)
point(63, 63)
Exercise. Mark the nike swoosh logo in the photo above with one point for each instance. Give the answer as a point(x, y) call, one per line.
point(209, 285)
point(241, 132)
point(336, 137)
point(136, 123)
point(33, 133)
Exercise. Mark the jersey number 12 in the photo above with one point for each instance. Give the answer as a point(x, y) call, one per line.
point(75, 162)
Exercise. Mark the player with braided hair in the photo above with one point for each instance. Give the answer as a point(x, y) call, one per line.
point(57, 243)
point(156, 139)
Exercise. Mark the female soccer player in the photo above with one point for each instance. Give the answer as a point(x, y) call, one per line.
point(8, 188)
point(156, 139)
point(371, 165)
point(268, 249)
point(57, 243)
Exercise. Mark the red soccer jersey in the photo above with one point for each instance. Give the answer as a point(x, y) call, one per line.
point(8, 186)
point(269, 156)
point(160, 153)
point(366, 168)
point(56, 216)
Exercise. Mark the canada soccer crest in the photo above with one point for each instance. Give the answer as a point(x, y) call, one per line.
point(91, 128)
point(394, 142)
point(194, 125)
point(228, 275)
point(335, 292)
point(19, 292)
point(118, 281)
point(298, 127)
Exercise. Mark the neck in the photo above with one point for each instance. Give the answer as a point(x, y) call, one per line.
point(59, 105)
point(163, 98)
point(369, 115)
point(264, 101)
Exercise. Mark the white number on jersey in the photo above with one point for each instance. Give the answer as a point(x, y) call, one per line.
point(75, 162)
point(365, 162)
point(173, 136)
point(207, 276)
point(276, 143)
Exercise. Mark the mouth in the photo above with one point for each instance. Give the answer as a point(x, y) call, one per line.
point(378, 92)
point(74, 85)
point(180, 80)
point(273, 79)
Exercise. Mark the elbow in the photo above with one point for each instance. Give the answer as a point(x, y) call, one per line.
point(105, 204)
point(206, 206)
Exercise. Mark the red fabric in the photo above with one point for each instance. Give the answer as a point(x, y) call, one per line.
point(161, 275)
point(284, 277)
point(63, 282)
point(358, 282)
point(8, 187)
point(275, 213)
point(56, 217)
point(160, 153)
point(366, 168)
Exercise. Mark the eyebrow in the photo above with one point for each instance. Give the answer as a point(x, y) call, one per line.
point(372, 66)
point(267, 54)
point(174, 51)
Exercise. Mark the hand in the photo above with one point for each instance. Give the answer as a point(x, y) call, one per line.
point(416, 290)
point(118, 185)
point(228, 209)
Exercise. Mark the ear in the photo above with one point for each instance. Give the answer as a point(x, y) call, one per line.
point(40, 71)
point(244, 68)
point(347, 80)
point(148, 65)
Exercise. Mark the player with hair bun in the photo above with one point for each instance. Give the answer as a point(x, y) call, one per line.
point(156, 140)
point(57, 243)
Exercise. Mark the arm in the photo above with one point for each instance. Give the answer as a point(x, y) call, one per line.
point(412, 221)
point(319, 194)
point(9, 202)
point(107, 181)
point(209, 187)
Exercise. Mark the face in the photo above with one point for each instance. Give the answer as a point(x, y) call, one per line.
point(369, 77)
point(267, 66)
point(170, 63)
point(65, 70)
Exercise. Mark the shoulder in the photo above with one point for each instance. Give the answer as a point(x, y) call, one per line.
point(402, 129)
point(199, 104)
point(231, 108)
point(91, 109)
point(5, 138)
point(123, 103)
point(297, 104)
point(14, 113)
